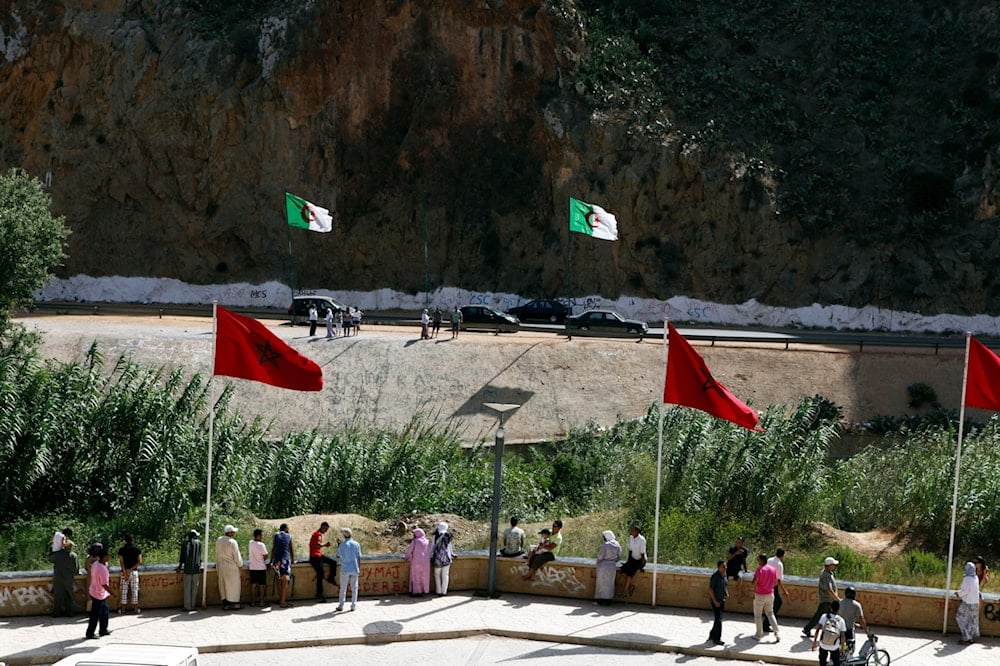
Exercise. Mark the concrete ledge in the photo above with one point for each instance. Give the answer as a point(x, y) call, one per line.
point(902, 607)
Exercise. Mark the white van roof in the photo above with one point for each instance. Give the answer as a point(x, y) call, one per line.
point(128, 654)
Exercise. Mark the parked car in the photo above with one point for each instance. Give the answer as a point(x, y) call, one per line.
point(607, 322)
point(542, 309)
point(482, 318)
point(299, 309)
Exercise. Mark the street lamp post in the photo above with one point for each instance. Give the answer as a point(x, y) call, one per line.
point(501, 409)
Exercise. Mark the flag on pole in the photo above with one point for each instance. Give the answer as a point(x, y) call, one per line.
point(244, 348)
point(690, 383)
point(306, 215)
point(982, 377)
point(585, 218)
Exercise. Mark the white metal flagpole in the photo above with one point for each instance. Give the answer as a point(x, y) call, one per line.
point(208, 485)
point(954, 497)
point(659, 467)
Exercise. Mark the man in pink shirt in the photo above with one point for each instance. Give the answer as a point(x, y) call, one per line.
point(100, 590)
point(764, 579)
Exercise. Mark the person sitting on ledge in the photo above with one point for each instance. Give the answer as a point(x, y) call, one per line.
point(546, 550)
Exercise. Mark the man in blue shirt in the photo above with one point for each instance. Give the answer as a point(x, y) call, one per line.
point(349, 554)
point(281, 561)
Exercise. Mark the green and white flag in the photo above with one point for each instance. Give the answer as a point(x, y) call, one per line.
point(585, 218)
point(305, 215)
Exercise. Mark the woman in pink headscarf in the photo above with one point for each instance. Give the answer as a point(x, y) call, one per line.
point(419, 555)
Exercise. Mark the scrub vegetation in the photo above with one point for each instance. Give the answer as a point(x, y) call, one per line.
point(122, 449)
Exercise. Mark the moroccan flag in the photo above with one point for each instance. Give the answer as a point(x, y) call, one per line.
point(689, 383)
point(305, 215)
point(982, 379)
point(585, 218)
point(245, 348)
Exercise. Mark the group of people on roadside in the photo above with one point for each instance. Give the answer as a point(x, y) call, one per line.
point(337, 322)
point(430, 323)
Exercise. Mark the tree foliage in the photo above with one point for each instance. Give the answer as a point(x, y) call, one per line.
point(32, 240)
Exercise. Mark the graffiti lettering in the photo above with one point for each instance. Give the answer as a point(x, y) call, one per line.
point(258, 293)
point(390, 571)
point(563, 578)
point(991, 613)
point(28, 595)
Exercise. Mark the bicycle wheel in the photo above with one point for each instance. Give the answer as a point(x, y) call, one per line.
point(878, 658)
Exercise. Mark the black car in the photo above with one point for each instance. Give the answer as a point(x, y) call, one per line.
point(482, 318)
point(299, 309)
point(607, 322)
point(543, 310)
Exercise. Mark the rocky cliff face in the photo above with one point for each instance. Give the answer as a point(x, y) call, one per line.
point(169, 147)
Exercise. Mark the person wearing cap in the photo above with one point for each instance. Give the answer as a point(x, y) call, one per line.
point(442, 555)
point(546, 550)
point(228, 563)
point(349, 554)
point(190, 566)
point(425, 320)
point(282, 556)
point(826, 594)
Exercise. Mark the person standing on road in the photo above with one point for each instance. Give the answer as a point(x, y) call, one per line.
point(718, 590)
point(513, 540)
point(765, 579)
point(356, 315)
point(317, 559)
point(608, 556)
point(65, 565)
point(636, 561)
point(282, 557)
point(830, 636)
point(456, 322)
point(418, 554)
point(313, 320)
point(257, 564)
point(442, 555)
point(349, 554)
point(228, 563)
point(191, 566)
point(425, 321)
point(437, 321)
point(338, 322)
point(129, 559)
point(100, 590)
point(779, 589)
point(826, 594)
point(328, 318)
point(853, 614)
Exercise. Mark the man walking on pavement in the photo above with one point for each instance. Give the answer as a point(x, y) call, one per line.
point(777, 562)
point(826, 594)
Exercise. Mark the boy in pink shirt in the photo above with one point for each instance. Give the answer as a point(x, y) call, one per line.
point(100, 590)
point(764, 580)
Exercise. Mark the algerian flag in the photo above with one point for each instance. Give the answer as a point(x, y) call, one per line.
point(305, 215)
point(585, 218)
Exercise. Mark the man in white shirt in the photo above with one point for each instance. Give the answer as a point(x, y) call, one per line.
point(636, 561)
point(257, 563)
point(778, 564)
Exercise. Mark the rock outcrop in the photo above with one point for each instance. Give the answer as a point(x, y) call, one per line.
point(458, 126)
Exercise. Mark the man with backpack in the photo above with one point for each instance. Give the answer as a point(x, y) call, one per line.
point(831, 636)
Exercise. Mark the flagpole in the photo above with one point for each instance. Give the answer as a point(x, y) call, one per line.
point(659, 468)
point(291, 263)
point(208, 485)
point(954, 497)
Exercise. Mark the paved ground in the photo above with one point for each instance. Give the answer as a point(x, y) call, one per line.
point(43, 640)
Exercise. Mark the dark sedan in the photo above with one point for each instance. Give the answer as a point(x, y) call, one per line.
point(482, 318)
point(607, 322)
point(542, 310)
